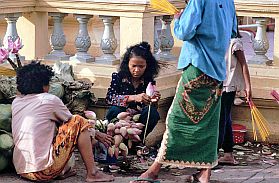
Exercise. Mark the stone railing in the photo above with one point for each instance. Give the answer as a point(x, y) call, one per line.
point(30, 19)
point(135, 20)
point(261, 10)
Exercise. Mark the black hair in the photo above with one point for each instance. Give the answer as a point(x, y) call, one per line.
point(142, 50)
point(31, 78)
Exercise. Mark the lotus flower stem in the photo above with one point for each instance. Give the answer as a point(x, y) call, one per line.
point(12, 64)
point(19, 65)
point(146, 125)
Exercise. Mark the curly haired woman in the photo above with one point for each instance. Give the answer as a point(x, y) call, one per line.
point(41, 154)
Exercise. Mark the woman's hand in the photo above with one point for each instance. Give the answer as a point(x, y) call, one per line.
point(248, 93)
point(156, 96)
point(143, 98)
point(178, 15)
point(106, 139)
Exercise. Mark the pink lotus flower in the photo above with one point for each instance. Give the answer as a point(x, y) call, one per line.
point(13, 47)
point(90, 115)
point(150, 89)
point(4, 54)
point(17, 45)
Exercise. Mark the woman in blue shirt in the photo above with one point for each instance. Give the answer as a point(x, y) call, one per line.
point(191, 135)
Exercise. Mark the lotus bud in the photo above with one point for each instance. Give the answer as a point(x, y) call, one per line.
point(17, 45)
point(150, 89)
point(90, 115)
point(3, 55)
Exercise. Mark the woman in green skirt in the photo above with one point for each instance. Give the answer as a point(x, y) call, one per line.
point(191, 135)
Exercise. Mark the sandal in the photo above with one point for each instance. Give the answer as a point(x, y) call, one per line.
point(228, 162)
point(138, 179)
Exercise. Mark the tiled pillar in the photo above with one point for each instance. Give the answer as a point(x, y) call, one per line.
point(134, 30)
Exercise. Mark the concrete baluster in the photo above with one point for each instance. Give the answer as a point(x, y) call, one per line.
point(11, 32)
point(157, 33)
point(166, 40)
point(108, 42)
point(260, 43)
point(83, 41)
point(57, 38)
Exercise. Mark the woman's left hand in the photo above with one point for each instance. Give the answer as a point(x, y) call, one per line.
point(156, 96)
point(248, 93)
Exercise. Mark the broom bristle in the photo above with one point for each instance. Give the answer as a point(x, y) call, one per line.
point(163, 6)
point(259, 123)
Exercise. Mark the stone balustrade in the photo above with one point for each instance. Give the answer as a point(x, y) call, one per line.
point(137, 22)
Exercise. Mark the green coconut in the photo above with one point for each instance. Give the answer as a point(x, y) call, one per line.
point(6, 124)
point(6, 141)
point(56, 89)
point(4, 162)
point(5, 117)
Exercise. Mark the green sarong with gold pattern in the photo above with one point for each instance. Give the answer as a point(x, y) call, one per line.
point(192, 122)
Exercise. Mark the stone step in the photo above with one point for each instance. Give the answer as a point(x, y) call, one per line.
point(263, 70)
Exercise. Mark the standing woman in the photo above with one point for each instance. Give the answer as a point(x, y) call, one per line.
point(237, 79)
point(191, 135)
point(128, 86)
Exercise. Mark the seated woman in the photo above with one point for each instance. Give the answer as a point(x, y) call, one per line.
point(128, 86)
point(41, 154)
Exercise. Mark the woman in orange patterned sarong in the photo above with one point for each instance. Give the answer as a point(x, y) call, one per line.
point(39, 153)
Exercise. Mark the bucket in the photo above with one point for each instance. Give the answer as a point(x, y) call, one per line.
point(239, 132)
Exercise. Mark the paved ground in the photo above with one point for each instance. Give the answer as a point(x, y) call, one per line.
point(258, 163)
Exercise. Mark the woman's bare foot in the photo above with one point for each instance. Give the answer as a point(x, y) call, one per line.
point(99, 177)
point(203, 176)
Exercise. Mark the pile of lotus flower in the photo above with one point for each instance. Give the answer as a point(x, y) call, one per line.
point(125, 128)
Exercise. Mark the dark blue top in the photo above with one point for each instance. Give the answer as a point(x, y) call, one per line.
point(120, 88)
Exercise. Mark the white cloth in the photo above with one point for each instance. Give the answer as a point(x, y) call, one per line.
point(234, 78)
point(34, 119)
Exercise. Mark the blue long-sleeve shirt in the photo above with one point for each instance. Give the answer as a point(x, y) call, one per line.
point(206, 27)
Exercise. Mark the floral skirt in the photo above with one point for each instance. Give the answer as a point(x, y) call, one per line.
point(63, 147)
point(191, 135)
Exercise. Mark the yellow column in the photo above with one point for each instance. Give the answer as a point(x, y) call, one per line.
point(276, 43)
point(33, 29)
point(134, 30)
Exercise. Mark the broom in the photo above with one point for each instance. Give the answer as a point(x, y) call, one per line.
point(259, 123)
point(163, 6)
